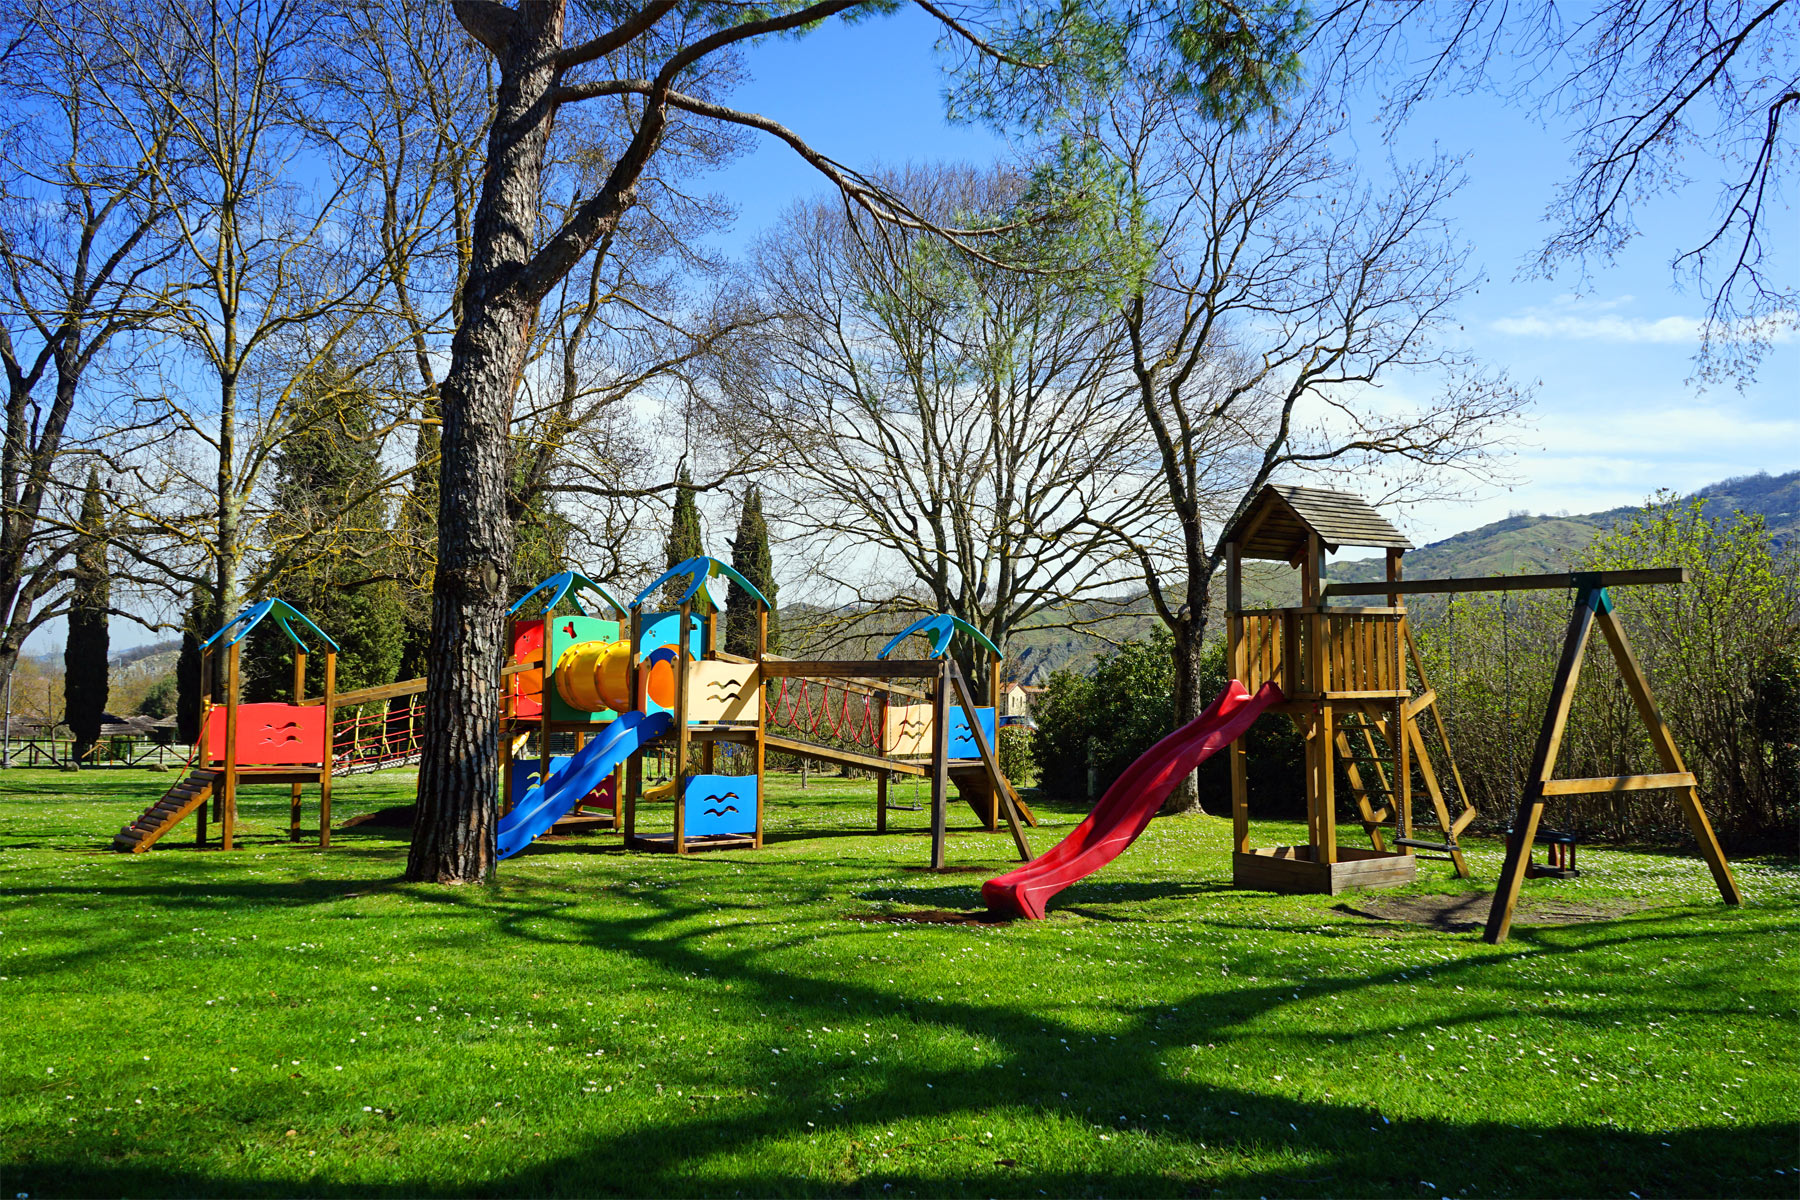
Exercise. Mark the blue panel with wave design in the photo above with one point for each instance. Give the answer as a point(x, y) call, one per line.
point(719, 804)
point(962, 739)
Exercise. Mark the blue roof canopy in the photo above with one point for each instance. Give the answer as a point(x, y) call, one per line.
point(570, 584)
point(942, 630)
point(699, 571)
point(284, 612)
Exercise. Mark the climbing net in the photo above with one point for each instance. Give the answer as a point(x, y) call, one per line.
point(821, 711)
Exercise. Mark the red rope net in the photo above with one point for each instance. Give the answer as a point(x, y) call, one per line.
point(819, 710)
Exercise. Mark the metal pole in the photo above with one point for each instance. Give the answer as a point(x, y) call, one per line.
point(6, 751)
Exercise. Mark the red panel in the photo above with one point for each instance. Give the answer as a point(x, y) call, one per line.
point(270, 734)
point(604, 796)
point(528, 686)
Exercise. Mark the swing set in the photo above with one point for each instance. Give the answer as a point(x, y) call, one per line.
point(1593, 606)
point(1355, 686)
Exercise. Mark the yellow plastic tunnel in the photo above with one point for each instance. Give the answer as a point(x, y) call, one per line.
point(596, 676)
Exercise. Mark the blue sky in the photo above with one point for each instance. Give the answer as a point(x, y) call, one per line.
point(1615, 417)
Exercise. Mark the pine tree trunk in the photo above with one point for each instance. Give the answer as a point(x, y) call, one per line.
point(454, 820)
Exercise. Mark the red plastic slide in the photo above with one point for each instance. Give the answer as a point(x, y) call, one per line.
point(1128, 804)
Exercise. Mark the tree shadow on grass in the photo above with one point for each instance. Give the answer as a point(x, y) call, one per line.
point(819, 1129)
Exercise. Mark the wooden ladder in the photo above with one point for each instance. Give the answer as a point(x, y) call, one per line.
point(166, 813)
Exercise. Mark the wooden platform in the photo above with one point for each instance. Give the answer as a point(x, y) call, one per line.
point(1291, 869)
point(712, 841)
point(585, 822)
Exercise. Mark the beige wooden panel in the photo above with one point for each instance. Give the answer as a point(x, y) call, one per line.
point(721, 691)
point(908, 732)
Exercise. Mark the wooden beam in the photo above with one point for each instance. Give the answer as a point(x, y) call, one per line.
point(294, 790)
point(940, 760)
point(329, 700)
point(1007, 798)
point(1670, 756)
point(1617, 783)
point(1543, 766)
point(842, 758)
point(1512, 583)
point(853, 669)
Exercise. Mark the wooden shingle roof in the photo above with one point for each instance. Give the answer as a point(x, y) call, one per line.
point(1277, 523)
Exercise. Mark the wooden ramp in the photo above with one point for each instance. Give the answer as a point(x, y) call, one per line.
point(976, 787)
point(177, 803)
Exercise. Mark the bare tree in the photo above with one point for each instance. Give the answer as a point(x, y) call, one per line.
point(1283, 291)
point(952, 436)
point(1657, 93)
point(267, 295)
point(79, 233)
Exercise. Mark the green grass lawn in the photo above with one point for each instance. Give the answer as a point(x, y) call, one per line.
point(284, 1020)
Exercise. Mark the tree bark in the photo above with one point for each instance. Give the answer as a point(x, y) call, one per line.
point(455, 818)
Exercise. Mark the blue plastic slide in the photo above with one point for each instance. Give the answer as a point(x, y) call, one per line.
point(543, 806)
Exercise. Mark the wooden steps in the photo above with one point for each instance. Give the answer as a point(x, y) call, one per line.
point(176, 804)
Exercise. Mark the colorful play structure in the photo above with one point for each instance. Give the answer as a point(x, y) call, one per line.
point(617, 684)
point(629, 683)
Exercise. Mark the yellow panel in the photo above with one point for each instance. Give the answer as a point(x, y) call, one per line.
point(908, 732)
point(720, 692)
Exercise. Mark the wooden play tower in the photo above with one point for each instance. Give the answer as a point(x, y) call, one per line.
point(1356, 689)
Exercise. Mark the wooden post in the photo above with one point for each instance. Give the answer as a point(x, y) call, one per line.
point(544, 708)
point(1399, 745)
point(881, 748)
point(762, 716)
point(940, 761)
point(294, 789)
point(681, 725)
point(228, 825)
point(201, 754)
point(330, 704)
point(1327, 785)
point(1237, 668)
point(1543, 764)
point(634, 766)
point(507, 715)
point(1668, 754)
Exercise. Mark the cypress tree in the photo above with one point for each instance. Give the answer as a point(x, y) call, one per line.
point(750, 558)
point(84, 654)
point(197, 625)
point(327, 498)
point(685, 540)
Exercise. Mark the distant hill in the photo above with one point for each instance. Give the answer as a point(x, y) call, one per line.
point(1523, 544)
point(1520, 544)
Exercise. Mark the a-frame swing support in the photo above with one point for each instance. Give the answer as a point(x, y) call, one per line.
point(1593, 606)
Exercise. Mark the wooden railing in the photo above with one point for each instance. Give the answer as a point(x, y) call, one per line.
point(1347, 653)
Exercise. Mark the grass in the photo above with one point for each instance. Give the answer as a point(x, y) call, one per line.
point(283, 1020)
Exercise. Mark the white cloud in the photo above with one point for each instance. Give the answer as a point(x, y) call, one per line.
point(1605, 328)
point(1573, 318)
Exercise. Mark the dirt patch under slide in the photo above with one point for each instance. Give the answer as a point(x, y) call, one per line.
point(1465, 914)
point(927, 916)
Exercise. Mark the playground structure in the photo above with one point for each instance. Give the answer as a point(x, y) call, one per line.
point(1344, 674)
point(259, 743)
point(1593, 606)
point(620, 683)
point(636, 682)
point(1354, 683)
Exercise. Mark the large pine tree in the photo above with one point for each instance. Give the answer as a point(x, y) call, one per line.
point(331, 527)
point(750, 558)
point(685, 540)
point(84, 655)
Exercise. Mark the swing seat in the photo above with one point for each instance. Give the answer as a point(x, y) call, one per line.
point(1562, 845)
